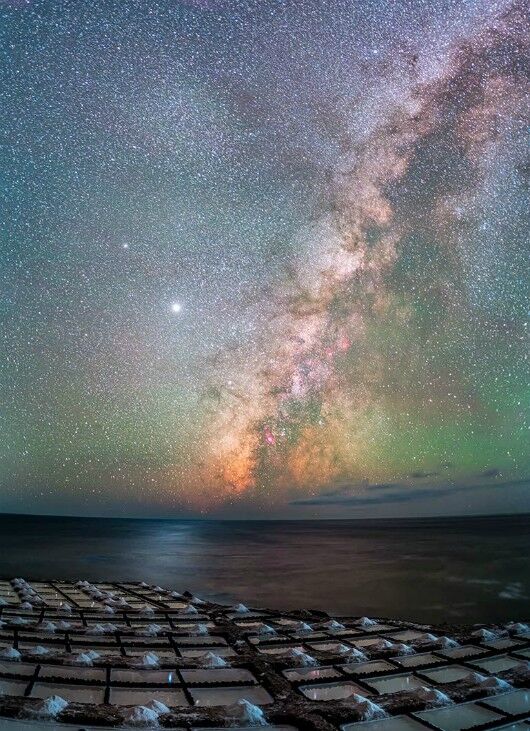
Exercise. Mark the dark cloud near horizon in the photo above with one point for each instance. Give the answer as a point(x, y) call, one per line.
point(406, 495)
point(493, 472)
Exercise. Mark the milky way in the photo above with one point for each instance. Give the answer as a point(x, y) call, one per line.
point(264, 258)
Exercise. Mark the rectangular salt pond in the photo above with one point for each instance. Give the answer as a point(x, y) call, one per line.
point(394, 683)
point(458, 718)
point(139, 677)
point(71, 693)
point(515, 704)
point(332, 691)
point(140, 696)
point(146, 642)
point(379, 628)
point(497, 664)
point(327, 646)
point(417, 661)
point(163, 655)
point(13, 687)
point(464, 651)
point(47, 672)
point(197, 640)
point(449, 674)
point(406, 635)
point(220, 675)
point(301, 634)
point(93, 639)
point(503, 643)
point(23, 669)
point(365, 642)
point(366, 668)
point(226, 696)
point(197, 652)
point(396, 723)
point(280, 649)
point(311, 673)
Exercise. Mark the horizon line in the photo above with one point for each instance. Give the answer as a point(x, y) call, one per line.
point(448, 516)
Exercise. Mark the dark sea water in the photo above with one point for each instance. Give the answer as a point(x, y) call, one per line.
point(473, 569)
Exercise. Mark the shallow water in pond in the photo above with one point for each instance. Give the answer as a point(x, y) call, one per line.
point(474, 569)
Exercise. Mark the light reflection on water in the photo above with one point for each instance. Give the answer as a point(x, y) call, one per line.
point(429, 570)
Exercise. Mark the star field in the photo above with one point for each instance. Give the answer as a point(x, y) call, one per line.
point(264, 258)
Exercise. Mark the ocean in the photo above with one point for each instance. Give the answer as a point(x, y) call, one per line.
point(429, 570)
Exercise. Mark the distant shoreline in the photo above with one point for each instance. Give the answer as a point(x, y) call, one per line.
point(397, 519)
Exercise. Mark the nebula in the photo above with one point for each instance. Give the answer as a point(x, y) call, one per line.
point(380, 310)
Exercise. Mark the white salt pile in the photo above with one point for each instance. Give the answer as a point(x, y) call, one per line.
point(147, 611)
point(341, 649)
point(82, 660)
point(211, 660)
point(333, 625)
point(266, 629)
point(432, 697)
point(39, 650)
point(427, 637)
point(403, 649)
point(48, 627)
point(48, 708)
point(146, 715)
point(366, 622)
point(489, 682)
point(9, 653)
point(300, 657)
point(302, 627)
point(381, 644)
point(149, 660)
point(141, 717)
point(247, 713)
point(447, 642)
point(190, 609)
point(198, 629)
point(485, 634)
point(354, 655)
point(101, 629)
point(518, 627)
point(157, 706)
point(240, 609)
point(367, 710)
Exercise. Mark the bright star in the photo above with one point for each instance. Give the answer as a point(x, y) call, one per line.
point(176, 307)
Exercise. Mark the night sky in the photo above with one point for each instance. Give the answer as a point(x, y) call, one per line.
point(263, 257)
